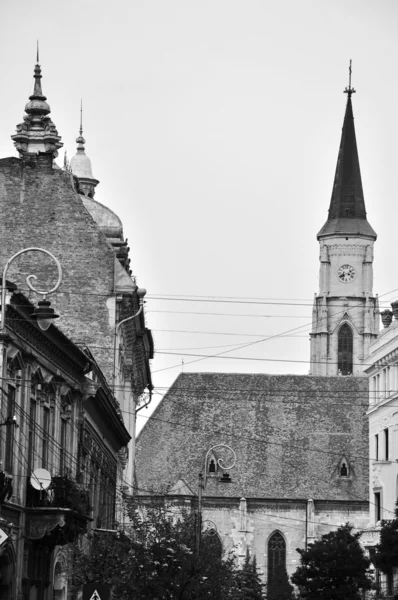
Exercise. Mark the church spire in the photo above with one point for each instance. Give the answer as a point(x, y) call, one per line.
point(347, 213)
point(37, 134)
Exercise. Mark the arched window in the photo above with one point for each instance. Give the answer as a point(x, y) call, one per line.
point(345, 350)
point(276, 554)
point(213, 544)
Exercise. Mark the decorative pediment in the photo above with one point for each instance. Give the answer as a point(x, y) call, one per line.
point(66, 396)
point(50, 383)
point(37, 378)
point(14, 359)
point(181, 488)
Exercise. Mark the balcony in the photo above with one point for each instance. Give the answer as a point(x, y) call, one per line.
point(58, 515)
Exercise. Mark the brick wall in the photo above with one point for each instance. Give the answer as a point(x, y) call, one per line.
point(39, 207)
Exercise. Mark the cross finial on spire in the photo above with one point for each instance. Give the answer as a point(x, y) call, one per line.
point(349, 90)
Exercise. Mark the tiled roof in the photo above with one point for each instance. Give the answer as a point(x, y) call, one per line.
point(289, 433)
point(347, 227)
point(347, 203)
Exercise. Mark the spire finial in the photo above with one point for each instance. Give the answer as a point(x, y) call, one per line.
point(37, 133)
point(80, 140)
point(81, 116)
point(66, 163)
point(349, 90)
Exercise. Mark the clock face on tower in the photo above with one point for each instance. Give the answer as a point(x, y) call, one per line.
point(346, 273)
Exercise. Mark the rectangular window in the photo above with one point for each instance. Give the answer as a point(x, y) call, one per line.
point(386, 444)
point(377, 506)
point(62, 453)
point(32, 434)
point(46, 429)
point(377, 446)
point(372, 391)
point(10, 430)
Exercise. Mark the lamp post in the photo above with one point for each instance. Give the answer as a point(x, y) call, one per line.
point(43, 313)
point(202, 486)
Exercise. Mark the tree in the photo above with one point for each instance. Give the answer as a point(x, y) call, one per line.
point(279, 587)
point(249, 580)
point(334, 567)
point(157, 559)
point(386, 555)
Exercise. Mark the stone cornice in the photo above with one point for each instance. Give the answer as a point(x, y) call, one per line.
point(385, 361)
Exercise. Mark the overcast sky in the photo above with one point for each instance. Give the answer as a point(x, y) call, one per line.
point(213, 127)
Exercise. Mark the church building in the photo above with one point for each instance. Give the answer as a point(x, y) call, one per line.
point(284, 458)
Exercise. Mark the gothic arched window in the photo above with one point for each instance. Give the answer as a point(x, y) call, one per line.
point(345, 350)
point(212, 541)
point(276, 554)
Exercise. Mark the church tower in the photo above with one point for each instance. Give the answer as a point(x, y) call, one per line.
point(345, 313)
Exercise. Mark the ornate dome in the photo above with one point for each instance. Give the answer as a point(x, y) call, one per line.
point(80, 165)
point(106, 219)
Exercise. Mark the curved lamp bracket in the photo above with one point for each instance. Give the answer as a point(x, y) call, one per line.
point(28, 279)
point(33, 277)
point(219, 460)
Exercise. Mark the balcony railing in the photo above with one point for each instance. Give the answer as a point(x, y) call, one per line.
point(58, 515)
point(63, 492)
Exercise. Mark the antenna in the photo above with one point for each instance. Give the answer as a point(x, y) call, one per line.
point(40, 479)
point(349, 90)
point(37, 52)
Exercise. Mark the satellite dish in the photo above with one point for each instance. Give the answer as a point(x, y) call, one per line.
point(40, 479)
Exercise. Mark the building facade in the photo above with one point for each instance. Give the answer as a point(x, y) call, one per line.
point(99, 302)
point(301, 442)
point(382, 370)
point(77, 416)
point(60, 434)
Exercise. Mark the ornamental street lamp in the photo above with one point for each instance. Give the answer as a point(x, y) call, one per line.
point(43, 314)
point(219, 460)
point(203, 483)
